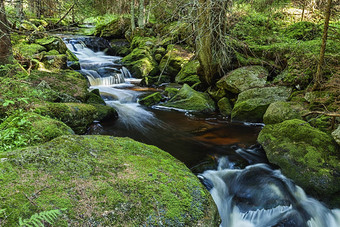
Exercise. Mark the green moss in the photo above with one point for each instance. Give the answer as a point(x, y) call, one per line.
point(105, 112)
point(224, 106)
point(151, 100)
point(27, 129)
point(188, 74)
point(28, 50)
point(304, 154)
point(170, 92)
point(95, 98)
point(112, 26)
point(278, 112)
point(191, 100)
point(303, 30)
point(78, 116)
point(252, 104)
point(105, 181)
point(243, 78)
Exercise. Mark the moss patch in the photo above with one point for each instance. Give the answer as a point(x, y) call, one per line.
point(307, 155)
point(103, 181)
point(27, 129)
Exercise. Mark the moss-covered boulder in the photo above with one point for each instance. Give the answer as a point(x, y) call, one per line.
point(78, 116)
point(307, 155)
point(278, 112)
point(174, 60)
point(216, 93)
point(114, 28)
point(28, 51)
point(65, 83)
point(170, 92)
point(105, 112)
point(188, 74)
point(336, 135)
point(191, 100)
point(55, 62)
point(252, 104)
point(95, 98)
point(26, 129)
point(104, 181)
point(224, 106)
point(151, 100)
point(53, 43)
point(244, 78)
point(141, 63)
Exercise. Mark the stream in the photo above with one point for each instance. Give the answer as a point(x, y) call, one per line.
point(247, 190)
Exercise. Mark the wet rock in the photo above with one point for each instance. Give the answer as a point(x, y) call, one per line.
point(244, 78)
point(107, 181)
point(95, 98)
point(191, 100)
point(307, 155)
point(278, 112)
point(252, 104)
point(152, 99)
point(224, 106)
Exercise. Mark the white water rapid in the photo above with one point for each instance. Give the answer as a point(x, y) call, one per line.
point(107, 74)
point(258, 196)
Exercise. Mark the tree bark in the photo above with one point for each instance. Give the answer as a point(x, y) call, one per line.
point(5, 41)
point(141, 20)
point(132, 11)
point(318, 75)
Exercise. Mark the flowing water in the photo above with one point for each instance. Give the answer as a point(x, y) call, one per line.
point(245, 188)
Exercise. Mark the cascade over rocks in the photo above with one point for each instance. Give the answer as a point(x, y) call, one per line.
point(305, 154)
point(252, 104)
point(191, 100)
point(106, 181)
point(244, 78)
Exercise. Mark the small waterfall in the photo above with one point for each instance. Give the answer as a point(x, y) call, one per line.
point(258, 196)
point(99, 68)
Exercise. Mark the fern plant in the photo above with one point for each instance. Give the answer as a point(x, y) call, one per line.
point(38, 219)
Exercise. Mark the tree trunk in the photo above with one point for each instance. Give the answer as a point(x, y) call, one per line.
point(303, 11)
point(141, 20)
point(211, 47)
point(318, 75)
point(5, 42)
point(132, 10)
point(19, 10)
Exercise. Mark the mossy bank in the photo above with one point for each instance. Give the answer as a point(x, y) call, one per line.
point(102, 181)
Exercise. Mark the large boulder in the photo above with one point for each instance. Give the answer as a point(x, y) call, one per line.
point(64, 83)
point(188, 74)
point(151, 100)
point(114, 28)
point(141, 63)
point(191, 100)
point(28, 51)
point(78, 116)
point(26, 129)
point(244, 78)
point(280, 111)
point(103, 181)
point(305, 154)
point(252, 104)
point(53, 43)
point(174, 60)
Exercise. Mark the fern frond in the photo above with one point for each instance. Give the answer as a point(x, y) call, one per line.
point(38, 219)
